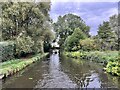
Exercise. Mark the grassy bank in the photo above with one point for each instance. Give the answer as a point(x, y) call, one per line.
point(110, 59)
point(11, 67)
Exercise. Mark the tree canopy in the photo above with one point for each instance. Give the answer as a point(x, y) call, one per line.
point(66, 25)
point(107, 36)
point(28, 20)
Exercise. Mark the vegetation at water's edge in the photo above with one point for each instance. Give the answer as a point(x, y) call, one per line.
point(109, 59)
point(11, 67)
point(113, 67)
point(26, 32)
point(75, 39)
point(30, 28)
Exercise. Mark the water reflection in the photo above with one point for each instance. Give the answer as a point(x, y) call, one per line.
point(54, 62)
point(86, 74)
point(61, 72)
point(56, 78)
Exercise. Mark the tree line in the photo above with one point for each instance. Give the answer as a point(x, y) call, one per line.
point(74, 34)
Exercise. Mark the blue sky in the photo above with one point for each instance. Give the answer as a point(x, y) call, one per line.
point(93, 13)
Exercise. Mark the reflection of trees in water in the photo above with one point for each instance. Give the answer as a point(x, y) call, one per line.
point(78, 72)
point(85, 73)
point(83, 82)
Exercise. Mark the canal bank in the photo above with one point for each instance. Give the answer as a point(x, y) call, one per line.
point(109, 59)
point(11, 67)
point(56, 71)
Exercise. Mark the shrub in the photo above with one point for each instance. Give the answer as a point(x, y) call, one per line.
point(88, 45)
point(113, 67)
point(100, 57)
point(6, 50)
point(24, 45)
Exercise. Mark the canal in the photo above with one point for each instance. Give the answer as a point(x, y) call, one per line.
point(56, 71)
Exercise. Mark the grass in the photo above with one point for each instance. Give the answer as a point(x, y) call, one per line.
point(10, 67)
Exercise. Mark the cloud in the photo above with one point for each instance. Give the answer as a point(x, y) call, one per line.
point(85, 1)
point(93, 13)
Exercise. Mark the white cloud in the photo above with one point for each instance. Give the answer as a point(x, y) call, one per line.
point(85, 1)
point(93, 16)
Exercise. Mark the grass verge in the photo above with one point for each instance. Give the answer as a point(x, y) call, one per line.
point(11, 67)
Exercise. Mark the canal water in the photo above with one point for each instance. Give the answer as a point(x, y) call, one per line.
point(57, 71)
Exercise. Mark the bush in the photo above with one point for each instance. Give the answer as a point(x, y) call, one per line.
point(101, 57)
point(6, 51)
point(88, 45)
point(113, 67)
point(97, 56)
point(73, 54)
point(24, 45)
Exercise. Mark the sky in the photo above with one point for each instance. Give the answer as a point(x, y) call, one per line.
point(93, 12)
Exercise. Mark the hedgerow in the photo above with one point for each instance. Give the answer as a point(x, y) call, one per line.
point(6, 51)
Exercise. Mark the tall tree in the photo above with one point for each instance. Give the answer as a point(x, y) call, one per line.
point(113, 22)
point(27, 17)
point(66, 25)
point(106, 36)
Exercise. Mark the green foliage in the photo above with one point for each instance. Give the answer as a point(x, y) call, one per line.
point(113, 22)
point(71, 43)
point(24, 45)
point(66, 25)
point(88, 45)
point(13, 66)
point(6, 51)
point(31, 18)
point(106, 37)
point(109, 59)
point(104, 31)
point(113, 67)
point(97, 56)
point(73, 54)
point(100, 57)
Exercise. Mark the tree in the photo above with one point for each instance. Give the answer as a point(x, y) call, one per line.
point(113, 22)
point(30, 18)
point(88, 44)
point(72, 42)
point(24, 45)
point(66, 25)
point(106, 36)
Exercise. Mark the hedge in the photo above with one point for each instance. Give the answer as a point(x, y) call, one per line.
point(6, 51)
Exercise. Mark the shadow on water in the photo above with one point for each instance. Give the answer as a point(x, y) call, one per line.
point(56, 71)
